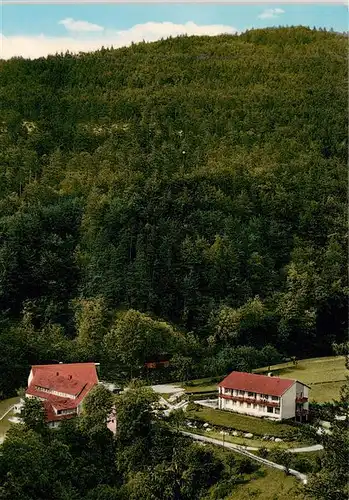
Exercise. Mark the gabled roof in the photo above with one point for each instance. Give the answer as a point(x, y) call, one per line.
point(75, 379)
point(79, 371)
point(51, 415)
point(60, 383)
point(261, 384)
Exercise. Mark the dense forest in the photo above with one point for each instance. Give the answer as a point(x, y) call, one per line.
point(185, 197)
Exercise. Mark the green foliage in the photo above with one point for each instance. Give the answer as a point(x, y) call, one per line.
point(31, 468)
point(282, 457)
point(177, 418)
point(242, 358)
point(33, 415)
point(134, 413)
point(202, 180)
point(263, 452)
point(331, 481)
point(91, 318)
point(136, 338)
point(97, 407)
point(60, 465)
point(246, 466)
point(241, 240)
point(190, 472)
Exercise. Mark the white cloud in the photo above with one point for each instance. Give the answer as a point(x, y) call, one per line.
point(43, 45)
point(78, 26)
point(271, 13)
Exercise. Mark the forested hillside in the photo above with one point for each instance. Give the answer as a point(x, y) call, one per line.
point(193, 185)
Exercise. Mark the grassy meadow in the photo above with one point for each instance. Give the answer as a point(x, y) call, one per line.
point(269, 484)
point(325, 376)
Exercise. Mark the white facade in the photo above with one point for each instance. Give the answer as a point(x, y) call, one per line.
point(295, 398)
point(30, 378)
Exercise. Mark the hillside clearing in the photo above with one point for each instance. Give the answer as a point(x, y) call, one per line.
point(325, 376)
point(269, 484)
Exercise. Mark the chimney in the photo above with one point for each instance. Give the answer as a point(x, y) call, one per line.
point(70, 377)
point(57, 373)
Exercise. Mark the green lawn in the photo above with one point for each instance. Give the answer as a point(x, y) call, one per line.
point(202, 384)
point(205, 387)
point(4, 406)
point(322, 393)
point(269, 484)
point(244, 423)
point(325, 376)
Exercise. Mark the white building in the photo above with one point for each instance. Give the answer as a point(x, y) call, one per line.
point(264, 396)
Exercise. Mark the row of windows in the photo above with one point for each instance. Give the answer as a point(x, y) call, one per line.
point(254, 395)
point(65, 412)
point(257, 407)
point(56, 393)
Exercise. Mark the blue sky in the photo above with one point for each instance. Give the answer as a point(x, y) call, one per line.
point(25, 27)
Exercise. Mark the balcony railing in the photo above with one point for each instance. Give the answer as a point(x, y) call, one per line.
point(302, 412)
point(301, 399)
point(243, 399)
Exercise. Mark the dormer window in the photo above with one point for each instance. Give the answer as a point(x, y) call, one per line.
point(55, 393)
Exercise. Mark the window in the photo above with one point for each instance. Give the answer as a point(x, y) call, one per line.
point(251, 394)
point(241, 393)
point(275, 398)
point(277, 411)
point(270, 409)
point(248, 405)
point(255, 407)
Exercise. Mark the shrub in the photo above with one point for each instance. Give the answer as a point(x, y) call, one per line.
point(246, 466)
point(192, 406)
point(302, 464)
point(263, 452)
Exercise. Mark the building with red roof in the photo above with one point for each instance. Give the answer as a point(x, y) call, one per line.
point(264, 396)
point(62, 388)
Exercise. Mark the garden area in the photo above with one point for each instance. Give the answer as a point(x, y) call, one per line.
point(239, 439)
point(242, 423)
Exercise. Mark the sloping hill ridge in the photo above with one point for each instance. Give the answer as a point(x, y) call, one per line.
point(178, 177)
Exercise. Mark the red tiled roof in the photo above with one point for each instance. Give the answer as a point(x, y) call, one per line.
point(59, 383)
point(51, 415)
point(79, 371)
point(260, 384)
point(76, 379)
